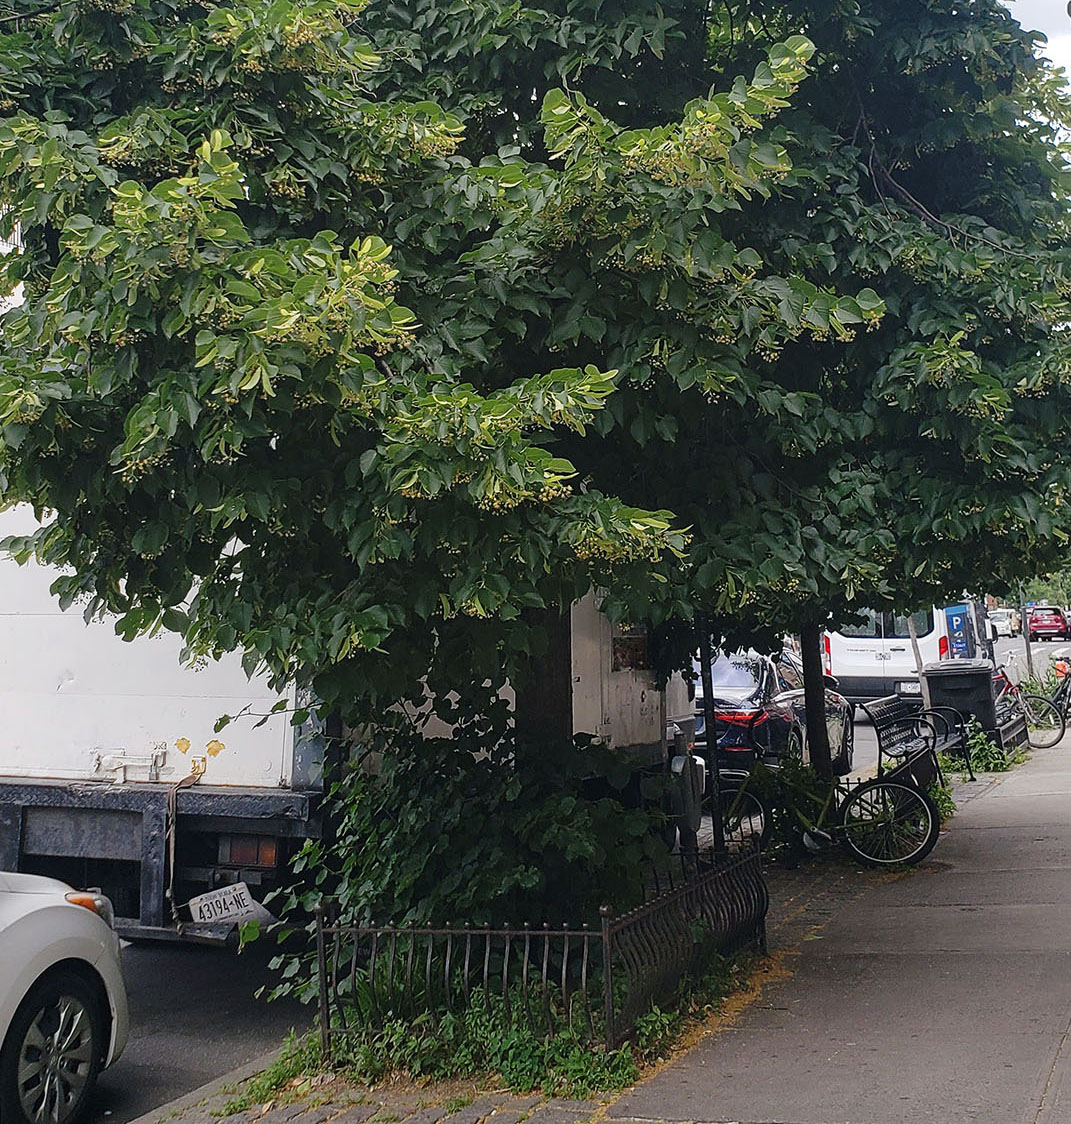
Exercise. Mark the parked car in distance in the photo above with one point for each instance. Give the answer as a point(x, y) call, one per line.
point(760, 715)
point(63, 1007)
point(1005, 621)
point(1047, 622)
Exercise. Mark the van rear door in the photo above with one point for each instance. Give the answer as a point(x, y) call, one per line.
point(857, 656)
point(899, 658)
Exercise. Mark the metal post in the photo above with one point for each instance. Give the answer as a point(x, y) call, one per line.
point(702, 624)
point(607, 977)
point(321, 967)
point(1024, 625)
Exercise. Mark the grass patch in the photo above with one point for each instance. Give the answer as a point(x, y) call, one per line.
point(282, 1080)
point(488, 1042)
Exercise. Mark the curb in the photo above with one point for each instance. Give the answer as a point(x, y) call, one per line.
point(189, 1100)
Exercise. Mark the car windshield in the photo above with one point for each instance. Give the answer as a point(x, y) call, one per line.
point(1046, 612)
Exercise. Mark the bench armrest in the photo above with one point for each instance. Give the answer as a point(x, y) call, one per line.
point(948, 719)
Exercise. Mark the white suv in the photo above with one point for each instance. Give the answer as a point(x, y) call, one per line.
point(63, 1009)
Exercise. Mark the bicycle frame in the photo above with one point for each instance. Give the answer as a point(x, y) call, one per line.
point(837, 790)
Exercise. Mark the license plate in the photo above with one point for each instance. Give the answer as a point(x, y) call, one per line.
point(229, 903)
point(911, 688)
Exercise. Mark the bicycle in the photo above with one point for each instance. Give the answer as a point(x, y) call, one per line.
point(1045, 720)
point(886, 821)
point(1061, 697)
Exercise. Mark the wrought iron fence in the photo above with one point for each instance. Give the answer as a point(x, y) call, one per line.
point(595, 982)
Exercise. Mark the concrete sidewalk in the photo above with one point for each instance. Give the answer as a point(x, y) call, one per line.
point(941, 995)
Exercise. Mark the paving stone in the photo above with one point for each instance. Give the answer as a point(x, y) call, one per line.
point(513, 1110)
point(316, 1115)
point(474, 1112)
point(548, 1115)
point(356, 1114)
point(566, 1105)
point(430, 1115)
point(281, 1115)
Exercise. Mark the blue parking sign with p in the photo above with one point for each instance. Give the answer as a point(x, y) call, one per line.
point(959, 631)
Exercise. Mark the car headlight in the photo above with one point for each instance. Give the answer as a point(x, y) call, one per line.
point(94, 901)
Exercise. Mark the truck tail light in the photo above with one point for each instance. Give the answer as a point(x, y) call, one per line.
point(827, 656)
point(942, 648)
point(249, 850)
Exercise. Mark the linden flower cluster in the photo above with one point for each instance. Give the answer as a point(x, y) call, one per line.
point(302, 34)
point(134, 470)
point(554, 490)
point(283, 184)
point(500, 496)
point(595, 547)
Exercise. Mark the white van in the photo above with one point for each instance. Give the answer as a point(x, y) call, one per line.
point(874, 659)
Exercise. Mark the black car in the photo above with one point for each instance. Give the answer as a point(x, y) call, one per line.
point(760, 715)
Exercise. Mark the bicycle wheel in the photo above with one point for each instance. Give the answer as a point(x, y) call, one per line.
point(888, 823)
point(743, 817)
point(1044, 722)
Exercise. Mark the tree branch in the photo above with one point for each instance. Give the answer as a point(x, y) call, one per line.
point(32, 15)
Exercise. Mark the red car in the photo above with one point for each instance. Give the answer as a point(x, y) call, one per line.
point(1046, 622)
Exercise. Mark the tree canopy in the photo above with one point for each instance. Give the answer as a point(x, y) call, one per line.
point(351, 332)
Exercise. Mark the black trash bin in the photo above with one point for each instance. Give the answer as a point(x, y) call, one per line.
point(966, 686)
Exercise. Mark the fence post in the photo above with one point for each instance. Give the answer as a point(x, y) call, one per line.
point(607, 976)
point(321, 969)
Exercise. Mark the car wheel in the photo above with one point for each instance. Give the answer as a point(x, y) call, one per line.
point(794, 745)
point(847, 747)
point(52, 1053)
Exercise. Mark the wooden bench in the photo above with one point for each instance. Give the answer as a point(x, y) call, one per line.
point(908, 734)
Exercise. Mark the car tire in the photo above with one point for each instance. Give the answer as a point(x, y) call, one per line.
point(847, 749)
point(50, 1083)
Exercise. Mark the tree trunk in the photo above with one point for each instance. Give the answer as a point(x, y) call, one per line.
point(544, 702)
point(814, 697)
point(706, 658)
point(335, 749)
point(924, 685)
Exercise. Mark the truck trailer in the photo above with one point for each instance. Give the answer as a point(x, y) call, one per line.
point(112, 774)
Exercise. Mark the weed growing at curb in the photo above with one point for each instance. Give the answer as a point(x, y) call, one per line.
point(942, 797)
point(301, 1057)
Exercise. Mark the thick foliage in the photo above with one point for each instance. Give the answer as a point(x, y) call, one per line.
point(444, 829)
point(209, 377)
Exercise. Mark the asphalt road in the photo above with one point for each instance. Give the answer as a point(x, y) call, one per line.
point(193, 1018)
point(1013, 653)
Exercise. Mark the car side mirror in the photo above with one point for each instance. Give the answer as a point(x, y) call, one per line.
point(832, 682)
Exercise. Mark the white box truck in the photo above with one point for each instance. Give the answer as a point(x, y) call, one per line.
point(100, 740)
point(97, 733)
